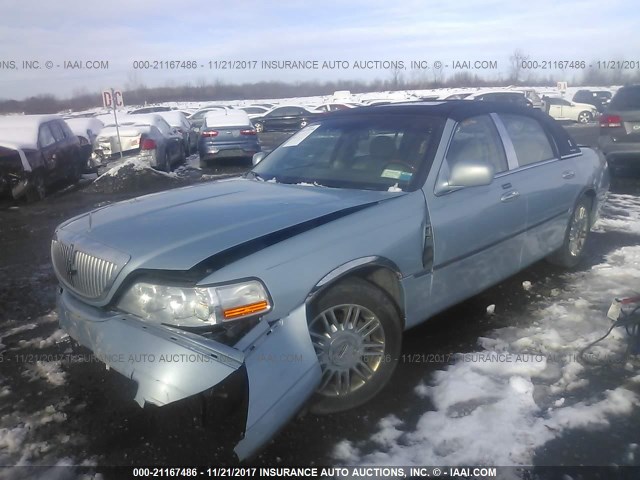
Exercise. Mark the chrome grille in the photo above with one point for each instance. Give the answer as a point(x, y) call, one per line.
point(86, 274)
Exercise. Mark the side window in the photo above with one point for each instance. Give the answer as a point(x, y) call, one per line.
point(530, 141)
point(56, 129)
point(477, 138)
point(45, 137)
point(67, 131)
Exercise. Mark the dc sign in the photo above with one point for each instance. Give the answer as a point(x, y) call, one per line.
point(112, 98)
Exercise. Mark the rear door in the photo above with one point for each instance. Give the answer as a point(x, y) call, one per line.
point(547, 183)
point(555, 107)
point(478, 232)
point(47, 144)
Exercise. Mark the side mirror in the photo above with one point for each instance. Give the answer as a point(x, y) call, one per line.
point(470, 173)
point(258, 157)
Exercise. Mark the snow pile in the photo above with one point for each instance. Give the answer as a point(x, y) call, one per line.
point(133, 174)
point(498, 405)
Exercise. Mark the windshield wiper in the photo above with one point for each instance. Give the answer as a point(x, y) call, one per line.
point(253, 175)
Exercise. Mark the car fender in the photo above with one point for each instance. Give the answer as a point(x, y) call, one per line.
point(283, 372)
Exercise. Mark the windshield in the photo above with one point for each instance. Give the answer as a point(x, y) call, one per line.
point(373, 152)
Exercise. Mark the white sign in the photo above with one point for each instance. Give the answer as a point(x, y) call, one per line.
point(112, 98)
point(562, 86)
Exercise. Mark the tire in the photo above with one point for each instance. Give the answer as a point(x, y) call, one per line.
point(182, 158)
point(38, 190)
point(355, 304)
point(571, 252)
point(203, 164)
point(259, 127)
point(585, 117)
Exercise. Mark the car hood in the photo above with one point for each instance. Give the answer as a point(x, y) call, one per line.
point(178, 229)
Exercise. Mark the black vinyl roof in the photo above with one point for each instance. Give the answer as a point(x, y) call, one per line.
point(461, 109)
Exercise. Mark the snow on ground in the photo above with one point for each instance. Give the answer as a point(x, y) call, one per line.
point(22, 444)
point(51, 371)
point(497, 405)
point(14, 331)
point(39, 342)
point(621, 213)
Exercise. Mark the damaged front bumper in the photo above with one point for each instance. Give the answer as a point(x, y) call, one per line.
point(169, 364)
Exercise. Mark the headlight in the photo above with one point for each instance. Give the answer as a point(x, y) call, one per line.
point(196, 307)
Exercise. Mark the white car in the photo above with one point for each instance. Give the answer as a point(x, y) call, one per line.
point(146, 135)
point(562, 109)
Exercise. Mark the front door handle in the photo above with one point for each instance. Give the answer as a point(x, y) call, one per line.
point(512, 195)
point(567, 174)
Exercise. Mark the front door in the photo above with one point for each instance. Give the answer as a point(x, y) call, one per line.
point(478, 232)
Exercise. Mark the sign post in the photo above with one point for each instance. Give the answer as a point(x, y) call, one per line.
point(111, 99)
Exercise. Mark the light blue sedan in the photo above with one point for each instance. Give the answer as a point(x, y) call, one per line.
point(303, 275)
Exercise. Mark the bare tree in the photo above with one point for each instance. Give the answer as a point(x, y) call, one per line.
point(438, 76)
point(397, 79)
point(515, 62)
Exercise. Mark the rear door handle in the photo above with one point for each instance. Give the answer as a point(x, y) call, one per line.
point(512, 195)
point(567, 174)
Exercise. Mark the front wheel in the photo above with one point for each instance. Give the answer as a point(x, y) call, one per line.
point(572, 250)
point(585, 117)
point(357, 336)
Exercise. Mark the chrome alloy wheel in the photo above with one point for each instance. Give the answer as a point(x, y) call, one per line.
point(350, 343)
point(578, 231)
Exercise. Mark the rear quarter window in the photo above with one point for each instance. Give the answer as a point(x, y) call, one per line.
point(530, 141)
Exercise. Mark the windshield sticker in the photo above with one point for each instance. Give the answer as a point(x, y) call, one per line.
point(300, 136)
point(396, 174)
point(388, 173)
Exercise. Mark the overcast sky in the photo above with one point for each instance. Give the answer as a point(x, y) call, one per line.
point(122, 31)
